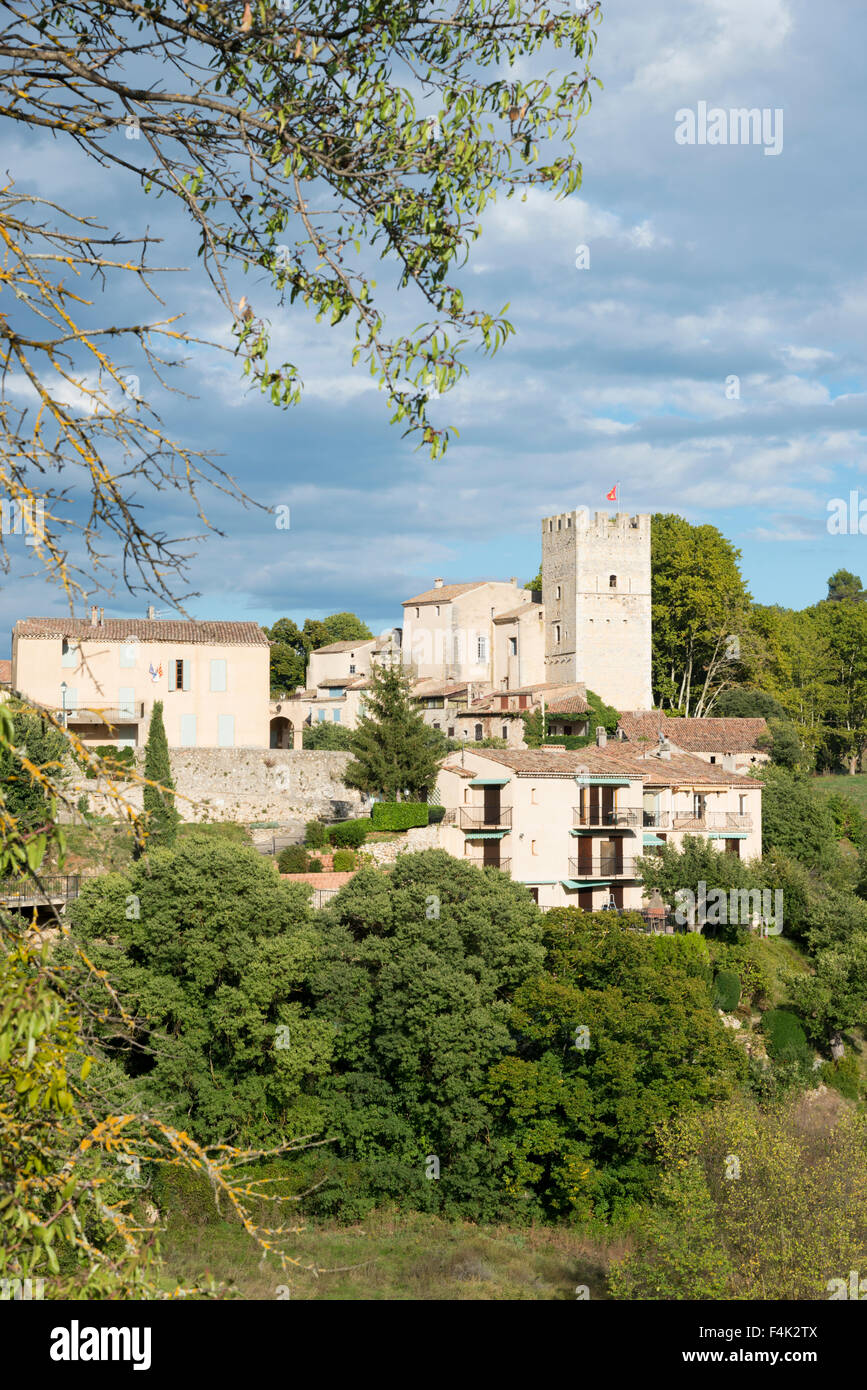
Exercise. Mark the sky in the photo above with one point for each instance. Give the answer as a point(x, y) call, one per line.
point(707, 263)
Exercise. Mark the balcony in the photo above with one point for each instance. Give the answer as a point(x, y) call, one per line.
point(478, 818)
point(133, 713)
point(504, 865)
point(626, 820)
point(603, 866)
point(656, 820)
point(715, 820)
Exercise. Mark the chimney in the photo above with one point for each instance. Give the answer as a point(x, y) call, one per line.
point(664, 749)
point(150, 612)
point(101, 616)
point(438, 583)
point(601, 736)
point(93, 613)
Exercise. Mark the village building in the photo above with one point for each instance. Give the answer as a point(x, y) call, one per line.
point(572, 824)
point(449, 633)
point(735, 744)
point(337, 677)
point(101, 677)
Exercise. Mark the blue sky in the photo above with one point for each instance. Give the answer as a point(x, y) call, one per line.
point(705, 262)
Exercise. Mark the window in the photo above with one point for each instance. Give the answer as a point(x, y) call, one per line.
point(335, 691)
point(505, 733)
point(361, 708)
point(534, 894)
point(567, 728)
point(451, 731)
point(557, 633)
point(128, 654)
point(352, 669)
point(69, 654)
point(559, 524)
point(225, 731)
point(436, 726)
point(188, 731)
point(532, 846)
point(557, 591)
point(179, 675)
point(478, 733)
point(481, 648)
point(437, 610)
point(513, 646)
point(337, 716)
point(712, 758)
point(71, 699)
point(126, 702)
point(417, 612)
point(320, 715)
point(612, 581)
point(218, 674)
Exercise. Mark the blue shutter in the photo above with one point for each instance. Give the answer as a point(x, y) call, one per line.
point(188, 731)
point(126, 702)
point(218, 675)
point(186, 675)
point(172, 685)
point(226, 731)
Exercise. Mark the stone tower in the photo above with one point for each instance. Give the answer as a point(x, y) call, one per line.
point(596, 593)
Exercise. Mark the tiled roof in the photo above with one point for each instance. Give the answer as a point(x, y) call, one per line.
point(5, 672)
point(446, 592)
point(432, 688)
point(357, 644)
point(679, 769)
point(518, 612)
point(568, 704)
point(212, 634)
point(695, 735)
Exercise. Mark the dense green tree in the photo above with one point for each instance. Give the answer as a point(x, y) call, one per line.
point(794, 818)
point(699, 603)
point(742, 703)
point(159, 805)
point(34, 740)
point(415, 974)
point(338, 627)
point(833, 998)
point(209, 950)
point(783, 743)
point(326, 734)
point(392, 752)
point(616, 1036)
point(288, 659)
point(845, 587)
point(535, 584)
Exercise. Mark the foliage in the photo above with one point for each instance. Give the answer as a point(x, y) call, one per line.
point(786, 1039)
point(617, 1035)
point(415, 972)
point(752, 1205)
point(783, 743)
point(834, 998)
point(726, 991)
point(210, 951)
point(435, 814)
point(794, 819)
point(342, 860)
point(114, 761)
point(32, 742)
point(738, 702)
point(349, 834)
point(328, 735)
point(845, 587)
point(535, 584)
point(316, 834)
point(293, 859)
point(392, 754)
point(844, 1076)
point(337, 627)
point(744, 961)
point(159, 803)
point(398, 815)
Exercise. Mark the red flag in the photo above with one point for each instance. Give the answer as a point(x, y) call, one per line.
point(612, 495)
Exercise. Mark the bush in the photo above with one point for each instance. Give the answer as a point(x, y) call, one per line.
point(787, 1041)
point(435, 814)
point(294, 859)
point(121, 757)
point(726, 991)
point(314, 864)
point(316, 834)
point(349, 834)
point(398, 815)
point(343, 859)
point(844, 1076)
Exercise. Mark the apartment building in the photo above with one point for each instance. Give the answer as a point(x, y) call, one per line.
point(102, 676)
point(571, 825)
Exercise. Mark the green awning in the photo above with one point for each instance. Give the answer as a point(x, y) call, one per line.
point(485, 834)
point(606, 781)
point(653, 840)
point(728, 835)
point(586, 883)
point(602, 830)
point(490, 781)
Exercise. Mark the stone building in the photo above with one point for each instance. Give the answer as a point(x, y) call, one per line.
point(596, 596)
point(450, 632)
point(735, 744)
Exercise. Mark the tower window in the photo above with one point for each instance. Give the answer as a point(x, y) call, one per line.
point(612, 581)
point(559, 524)
point(557, 632)
point(557, 591)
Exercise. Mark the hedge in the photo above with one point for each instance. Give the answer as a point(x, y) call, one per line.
point(435, 814)
point(398, 815)
point(726, 991)
point(316, 834)
point(342, 860)
point(787, 1041)
point(293, 860)
point(349, 834)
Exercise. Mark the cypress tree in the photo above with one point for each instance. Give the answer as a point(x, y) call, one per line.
point(393, 753)
point(160, 809)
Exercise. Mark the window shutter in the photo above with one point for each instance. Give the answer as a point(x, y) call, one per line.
point(172, 685)
point(186, 675)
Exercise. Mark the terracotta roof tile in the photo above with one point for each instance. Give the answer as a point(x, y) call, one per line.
point(445, 593)
point(679, 769)
point(345, 646)
point(694, 735)
point(568, 704)
point(215, 634)
point(519, 612)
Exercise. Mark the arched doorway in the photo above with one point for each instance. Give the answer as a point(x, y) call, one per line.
point(282, 732)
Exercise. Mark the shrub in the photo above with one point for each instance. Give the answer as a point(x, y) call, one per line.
point(121, 757)
point(726, 991)
point(398, 815)
point(787, 1041)
point(314, 864)
point(316, 834)
point(349, 834)
point(435, 814)
point(844, 1076)
point(294, 859)
point(343, 859)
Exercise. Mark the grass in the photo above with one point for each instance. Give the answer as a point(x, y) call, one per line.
point(105, 846)
point(779, 954)
point(854, 787)
point(401, 1256)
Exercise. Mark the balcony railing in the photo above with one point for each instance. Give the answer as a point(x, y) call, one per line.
point(504, 865)
point(657, 820)
point(604, 866)
point(715, 820)
point(605, 819)
point(478, 818)
point(130, 713)
point(53, 888)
